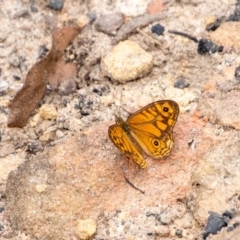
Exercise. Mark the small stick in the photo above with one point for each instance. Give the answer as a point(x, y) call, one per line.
point(147, 36)
point(131, 184)
point(184, 35)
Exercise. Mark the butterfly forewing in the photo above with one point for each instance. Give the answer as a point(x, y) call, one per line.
point(157, 118)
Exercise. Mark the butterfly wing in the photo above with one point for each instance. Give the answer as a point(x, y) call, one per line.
point(123, 142)
point(155, 147)
point(152, 127)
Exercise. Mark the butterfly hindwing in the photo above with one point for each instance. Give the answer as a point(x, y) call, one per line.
point(123, 142)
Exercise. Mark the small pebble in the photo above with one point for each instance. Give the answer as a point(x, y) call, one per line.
point(166, 218)
point(107, 100)
point(186, 235)
point(47, 136)
point(56, 4)
point(212, 26)
point(131, 237)
point(92, 16)
point(214, 224)
point(14, 60)
point(206, 46)
point(236, 15)
point(35, 120)
point(16, 77)
point(40, 188)
point(237, 224)
point(82, 21)
point(42, 52)
point(181, 83)
point(101, 89)
point(4, 103)
point(148, 214)
point(1, 226)
point(34, 147)
point(96, 73)
point(162, 231)
point(133, 8)
point(33, 9)
point(1, 209)
point(209, 19)
point(228, 214)
point(86, 228)
point(59, 134)
point(179, 233)
point(75, 125)
point(21, 13)
point(48, 112)
point(173, 232)
point(237, 73)
point(156, 6)
point(3, 87)
point(109, 23)
point(45, 124)
point(127, 61)
point(158, 29)
point(67, 87)
point(231, 228)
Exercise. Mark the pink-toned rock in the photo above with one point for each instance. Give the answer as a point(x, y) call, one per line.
point(222, 109)
point(220, 101)
point(227, 34)
point(215, 179)
point(85, 179)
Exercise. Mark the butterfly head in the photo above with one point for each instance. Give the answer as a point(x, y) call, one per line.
point(118, 120)
point(124, 125)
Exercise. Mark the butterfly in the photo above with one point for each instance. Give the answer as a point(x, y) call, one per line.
point(149, 131)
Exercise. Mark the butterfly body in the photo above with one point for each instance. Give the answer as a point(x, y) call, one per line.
point(149, 130)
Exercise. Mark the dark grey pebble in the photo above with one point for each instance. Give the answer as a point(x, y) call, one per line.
point(56, 4)
point(181, 83)
point(158, 29)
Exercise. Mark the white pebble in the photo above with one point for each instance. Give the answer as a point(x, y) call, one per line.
point(3, 86)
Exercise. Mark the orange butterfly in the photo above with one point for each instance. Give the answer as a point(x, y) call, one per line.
point(149, 130)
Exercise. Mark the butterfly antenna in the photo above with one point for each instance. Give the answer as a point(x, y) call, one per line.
point(120, 106)
point(120, 101)
point(126, 110)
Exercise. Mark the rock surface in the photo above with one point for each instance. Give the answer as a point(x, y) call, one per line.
point(62, 168)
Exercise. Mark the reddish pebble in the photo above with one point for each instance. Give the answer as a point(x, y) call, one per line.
point(156, 6)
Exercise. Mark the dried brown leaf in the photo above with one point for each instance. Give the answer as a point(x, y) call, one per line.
point(64, 71)
point(29, 96)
